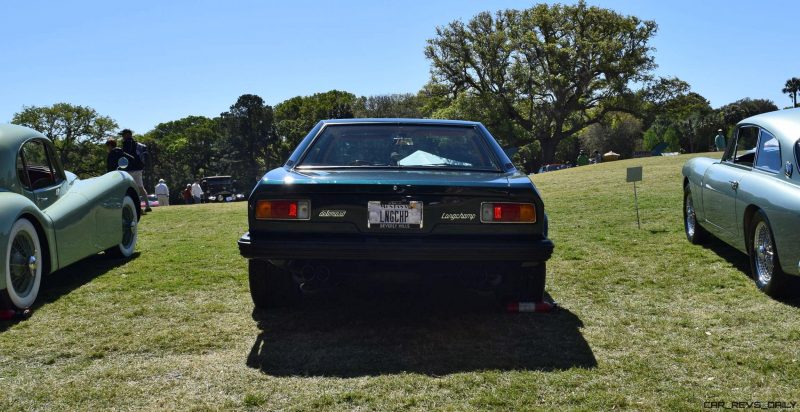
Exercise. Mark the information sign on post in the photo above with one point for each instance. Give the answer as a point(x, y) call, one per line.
point(635, 175)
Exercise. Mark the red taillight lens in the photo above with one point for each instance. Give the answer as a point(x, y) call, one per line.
point(508, 213)
point(282, 209)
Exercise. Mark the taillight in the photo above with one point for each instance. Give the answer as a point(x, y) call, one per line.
point(282, 209)
point(508, 213)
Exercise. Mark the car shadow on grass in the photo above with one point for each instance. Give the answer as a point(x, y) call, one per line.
point(428, 327)
point(741, 262)
point(64, 281)
point(732, 255)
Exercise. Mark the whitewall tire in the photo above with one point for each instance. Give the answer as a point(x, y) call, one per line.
point(130, 230)
point(23, 262)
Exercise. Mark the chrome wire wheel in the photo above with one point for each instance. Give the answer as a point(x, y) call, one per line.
point(691, 218)
point(24, 270)
point(694, 231)
point(128, 227)
point(764, 252)
point(23, 264)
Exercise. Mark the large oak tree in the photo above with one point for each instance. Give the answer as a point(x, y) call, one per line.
point(552, 69)
point(76, 131)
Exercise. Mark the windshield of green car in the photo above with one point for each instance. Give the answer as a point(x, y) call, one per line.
point(400, 146)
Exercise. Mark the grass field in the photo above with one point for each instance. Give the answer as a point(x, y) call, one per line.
point(648, 322)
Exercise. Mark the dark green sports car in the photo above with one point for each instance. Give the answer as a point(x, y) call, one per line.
point(368, 195)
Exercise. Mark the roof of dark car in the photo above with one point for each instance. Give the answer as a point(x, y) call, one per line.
point(439, 122)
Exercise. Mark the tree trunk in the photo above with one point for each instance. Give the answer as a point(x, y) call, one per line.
point(548, 150)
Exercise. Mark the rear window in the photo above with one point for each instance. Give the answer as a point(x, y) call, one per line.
point(400, 146)
point(797, 152)
point(769, 153)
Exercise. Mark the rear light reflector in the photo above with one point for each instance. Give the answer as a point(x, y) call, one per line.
point(508, 212)
point(282, 210)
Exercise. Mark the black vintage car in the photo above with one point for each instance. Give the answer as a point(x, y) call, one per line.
point(365, 194)
point(219, 189)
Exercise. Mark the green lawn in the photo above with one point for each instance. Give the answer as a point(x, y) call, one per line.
point(648, 321)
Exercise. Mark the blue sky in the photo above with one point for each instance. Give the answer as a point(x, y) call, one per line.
point(147, 62)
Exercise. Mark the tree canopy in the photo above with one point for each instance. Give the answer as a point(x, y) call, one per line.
point(791, 88)
point(552, 69)
point(75, 131)
point(296, 116)
point(251, 142)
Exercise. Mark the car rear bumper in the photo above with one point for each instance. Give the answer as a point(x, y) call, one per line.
point(535, 250)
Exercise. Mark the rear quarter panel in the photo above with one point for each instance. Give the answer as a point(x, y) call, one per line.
point(104, 194)
point(87, 219)
point(779, 199)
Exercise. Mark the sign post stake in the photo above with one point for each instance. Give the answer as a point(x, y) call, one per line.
point(635, 175)
point(636, 202)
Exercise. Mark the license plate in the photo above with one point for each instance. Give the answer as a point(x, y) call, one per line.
point(395, 215)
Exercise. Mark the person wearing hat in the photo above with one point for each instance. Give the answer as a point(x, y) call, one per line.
point(135, 167)
point(162, 192)
point(114, 154)
point(719, 141)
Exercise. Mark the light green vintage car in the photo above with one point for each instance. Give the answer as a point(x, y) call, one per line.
point(750, 198)
point(49, 218)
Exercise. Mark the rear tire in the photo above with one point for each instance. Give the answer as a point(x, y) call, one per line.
point(525, 284)
point(271, 286)
point(130, 230)
point(694, 232)
point(764, 262)
point(23, 266)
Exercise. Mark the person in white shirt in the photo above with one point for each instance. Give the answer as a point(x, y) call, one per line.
point(197, 192)
point(162, 192)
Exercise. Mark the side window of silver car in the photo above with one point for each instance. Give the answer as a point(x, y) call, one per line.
point(797, 152)
point(769, 153)
point(744, 151)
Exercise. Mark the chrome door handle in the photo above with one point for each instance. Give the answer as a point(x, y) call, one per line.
point(734, 184)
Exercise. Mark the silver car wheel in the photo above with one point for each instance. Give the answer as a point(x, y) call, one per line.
point(764, 253)
point(24, 270)
point(691, 218)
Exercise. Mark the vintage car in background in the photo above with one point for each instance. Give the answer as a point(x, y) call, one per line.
point(751, 197)
point(151, 199)
point(220, 189)
point(553, 167)
point(49, 218)
point(372, 195)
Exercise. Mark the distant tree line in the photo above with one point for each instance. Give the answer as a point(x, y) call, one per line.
point(547, 81)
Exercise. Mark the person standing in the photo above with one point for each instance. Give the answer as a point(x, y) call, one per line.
point(187, 194)
point(197, 192)
point(135, 168)
point(582, 159)
point(162, 192)
point(719, 141)
point(114, 154)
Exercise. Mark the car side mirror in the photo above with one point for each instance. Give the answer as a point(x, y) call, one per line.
point(123, 163)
